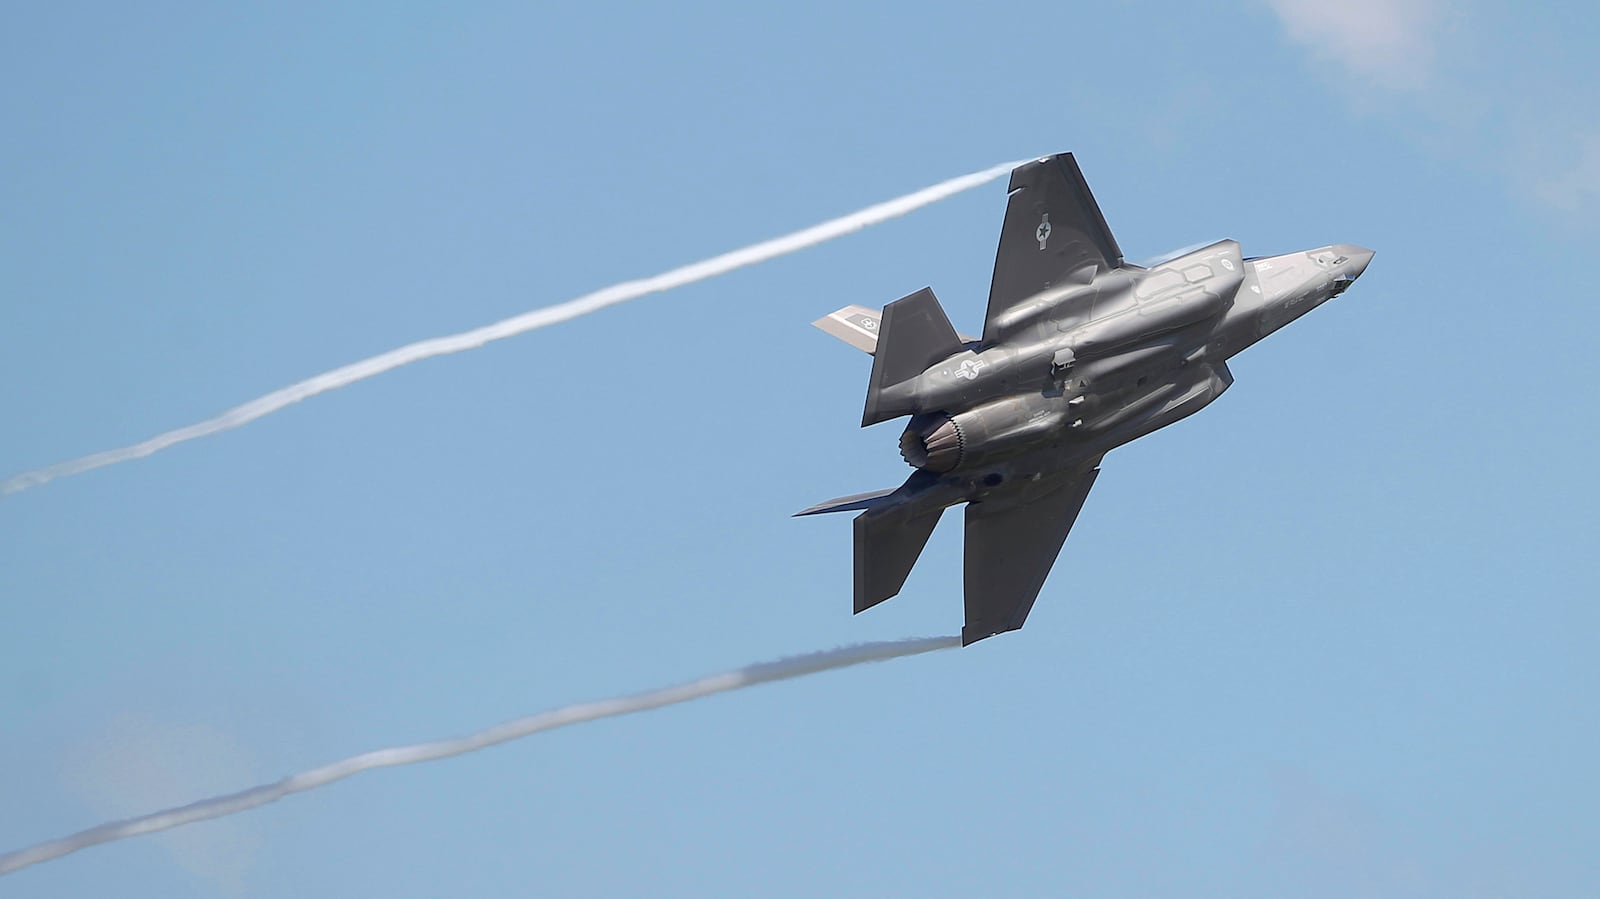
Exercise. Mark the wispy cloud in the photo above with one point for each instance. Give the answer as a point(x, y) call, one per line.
point(1442, 75)
point(139, 762)
point(1574, 185)
point(1386, 42)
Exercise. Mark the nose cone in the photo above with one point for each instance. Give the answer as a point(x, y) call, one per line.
point(1356, 259)
point(1349, 261)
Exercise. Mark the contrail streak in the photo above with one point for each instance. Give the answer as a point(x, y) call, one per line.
point(528, 321)
point(233, 803)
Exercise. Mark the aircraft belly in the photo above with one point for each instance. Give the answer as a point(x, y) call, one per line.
point(1166, 404)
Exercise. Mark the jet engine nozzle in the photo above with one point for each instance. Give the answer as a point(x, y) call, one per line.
point(941, 442)
point(932, 442)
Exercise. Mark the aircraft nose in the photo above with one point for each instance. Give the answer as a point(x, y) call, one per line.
point(1349, 262)
point(1357, 257)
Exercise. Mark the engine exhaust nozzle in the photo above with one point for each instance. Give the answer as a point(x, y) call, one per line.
point(932, 442)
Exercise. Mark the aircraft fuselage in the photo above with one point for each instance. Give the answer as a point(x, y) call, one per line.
point(1081, 353)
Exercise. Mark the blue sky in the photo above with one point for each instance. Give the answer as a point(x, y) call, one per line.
point(1335, 636)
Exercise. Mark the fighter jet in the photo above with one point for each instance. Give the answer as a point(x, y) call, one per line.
point(1081, 352)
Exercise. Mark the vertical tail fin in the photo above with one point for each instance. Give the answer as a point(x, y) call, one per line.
point(887, 545)
point(915, 333)
point(890, 533)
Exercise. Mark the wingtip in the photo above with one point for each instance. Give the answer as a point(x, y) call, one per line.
point(971, 635)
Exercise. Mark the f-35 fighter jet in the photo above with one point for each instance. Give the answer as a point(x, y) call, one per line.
point(1081, 352)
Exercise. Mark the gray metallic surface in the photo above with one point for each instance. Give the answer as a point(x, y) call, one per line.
point(1081, 353)
point(1011, 543)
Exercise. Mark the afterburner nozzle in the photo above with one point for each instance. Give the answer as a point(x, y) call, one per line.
point(932, 443)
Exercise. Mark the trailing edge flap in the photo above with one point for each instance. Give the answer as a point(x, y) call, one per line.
point(859, 327)
point(888, 543)
point(1053, 234)
point(914, 334)
point(1011, 544)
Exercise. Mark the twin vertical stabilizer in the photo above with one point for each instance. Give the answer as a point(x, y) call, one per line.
point(915, 333)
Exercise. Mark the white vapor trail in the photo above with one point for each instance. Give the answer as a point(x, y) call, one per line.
point(527, 321)
point(233, 803)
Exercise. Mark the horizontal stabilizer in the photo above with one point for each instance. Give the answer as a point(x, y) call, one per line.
point(859, 326)
point(887, 545)
point(855, 325)
point(912, 490)
point(853, 503)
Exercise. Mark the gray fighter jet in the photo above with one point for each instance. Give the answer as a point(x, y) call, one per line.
point(1081, 352)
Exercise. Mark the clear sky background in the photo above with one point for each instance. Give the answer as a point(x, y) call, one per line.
point(1335, 636)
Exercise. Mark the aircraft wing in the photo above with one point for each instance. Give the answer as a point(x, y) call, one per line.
point(1011, 543)
point(1053, 234)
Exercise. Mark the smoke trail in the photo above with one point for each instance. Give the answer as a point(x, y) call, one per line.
point(232, 803)
point(528, 321)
